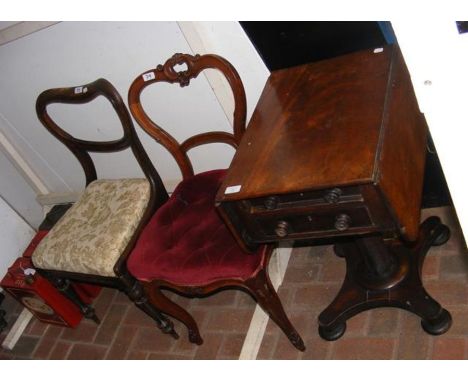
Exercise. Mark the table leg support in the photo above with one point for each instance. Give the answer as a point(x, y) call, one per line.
point(386, 274)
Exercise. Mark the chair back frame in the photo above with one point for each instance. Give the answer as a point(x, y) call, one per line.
point(167, 73)
point(81, 148)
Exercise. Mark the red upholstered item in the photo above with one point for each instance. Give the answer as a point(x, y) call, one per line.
point(187, 243)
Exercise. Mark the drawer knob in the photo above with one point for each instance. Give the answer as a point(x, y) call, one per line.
point(333, 196)
point(246, 237)
point(342, 222)
point(282, 228)
point(271, 202)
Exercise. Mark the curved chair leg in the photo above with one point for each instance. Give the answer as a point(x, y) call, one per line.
point(262, 290)
point(164, 304)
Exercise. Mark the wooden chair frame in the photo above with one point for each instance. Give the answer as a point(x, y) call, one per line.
point(167, 73)
point(81, 148)
point(258, 285)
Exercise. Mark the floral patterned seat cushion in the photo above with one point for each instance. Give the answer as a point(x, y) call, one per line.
point(92, 234)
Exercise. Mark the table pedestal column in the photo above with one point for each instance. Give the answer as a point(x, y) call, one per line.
point(386, 273)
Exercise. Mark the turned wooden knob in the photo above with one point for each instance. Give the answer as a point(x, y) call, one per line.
point(342, 222)
point(271, 202)
point(246, 237)
point(333, 196)
point(282, 228)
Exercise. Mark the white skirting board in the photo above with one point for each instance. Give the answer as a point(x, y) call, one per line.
point(17, 329)
point(253, 340)
point(16, 236)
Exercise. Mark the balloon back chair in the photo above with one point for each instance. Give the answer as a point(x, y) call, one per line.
point(91, 241)
point(186, 247)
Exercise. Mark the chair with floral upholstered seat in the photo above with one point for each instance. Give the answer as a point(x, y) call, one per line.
point(186, 247)
point(91, 241)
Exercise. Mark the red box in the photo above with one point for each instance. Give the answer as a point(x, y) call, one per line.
point(39, 295)
point(86, 292)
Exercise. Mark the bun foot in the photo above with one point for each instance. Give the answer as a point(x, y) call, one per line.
point(438, 325)
point(339, 251)
point(333, 332)
point(443, 237)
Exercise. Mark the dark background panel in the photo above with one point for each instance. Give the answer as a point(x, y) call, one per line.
point(283, 44)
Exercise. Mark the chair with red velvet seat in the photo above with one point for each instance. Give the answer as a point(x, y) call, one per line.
point(186, 246)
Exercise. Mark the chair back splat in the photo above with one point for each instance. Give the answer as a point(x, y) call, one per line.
point(186, 246)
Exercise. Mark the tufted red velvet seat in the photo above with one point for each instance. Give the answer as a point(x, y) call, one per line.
point(187, 243)
point(186, 247)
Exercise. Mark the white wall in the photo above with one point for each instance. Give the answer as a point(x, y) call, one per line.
point(74, 53)
point(18, 193)
point(15, 236)
point(229, 40)
point(436, 56)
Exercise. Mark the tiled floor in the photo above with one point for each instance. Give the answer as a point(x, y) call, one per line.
point(312, 279)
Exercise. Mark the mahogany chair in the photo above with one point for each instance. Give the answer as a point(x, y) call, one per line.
point(91, 241)
point(186, 247)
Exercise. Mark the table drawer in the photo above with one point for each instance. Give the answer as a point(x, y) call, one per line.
point(318, 223)
point(315, 199)
point(354, 210)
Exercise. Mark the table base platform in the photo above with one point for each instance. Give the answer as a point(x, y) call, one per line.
point(386, 273)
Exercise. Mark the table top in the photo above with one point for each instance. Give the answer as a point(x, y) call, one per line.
point(315, 125)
